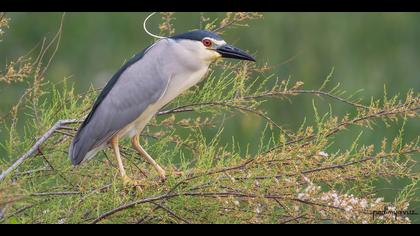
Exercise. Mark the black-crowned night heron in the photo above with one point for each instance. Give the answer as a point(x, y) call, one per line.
point(145, 84)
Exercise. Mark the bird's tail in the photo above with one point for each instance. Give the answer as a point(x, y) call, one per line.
point(83, 147)
point(75, 154)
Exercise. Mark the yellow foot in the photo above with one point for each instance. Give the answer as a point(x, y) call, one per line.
point(162, 177)
point(128, 182)
point(162, 174)
point(177, 173)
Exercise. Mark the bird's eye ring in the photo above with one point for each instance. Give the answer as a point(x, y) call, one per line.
point(207, 42)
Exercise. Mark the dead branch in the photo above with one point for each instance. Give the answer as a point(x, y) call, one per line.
point(55, 194)
point(127, 206)
point(35, 148)
point(172, 213)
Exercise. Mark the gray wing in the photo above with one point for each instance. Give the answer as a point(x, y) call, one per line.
point(138, 84)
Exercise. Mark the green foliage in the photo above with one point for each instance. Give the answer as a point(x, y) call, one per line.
point(294, 176)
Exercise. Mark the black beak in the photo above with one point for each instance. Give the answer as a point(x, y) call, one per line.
point(228, 51)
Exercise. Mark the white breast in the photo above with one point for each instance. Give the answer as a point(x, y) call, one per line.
point(178, 84)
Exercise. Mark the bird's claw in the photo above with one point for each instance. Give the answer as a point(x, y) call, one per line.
point(178, 173)
point(162, 174)
point(128, 182)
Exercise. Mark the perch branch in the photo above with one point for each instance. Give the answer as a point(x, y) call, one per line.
point(35, 148)
point(185, 108)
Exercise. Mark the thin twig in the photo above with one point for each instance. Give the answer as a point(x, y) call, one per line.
point(345, 124)
point(172, 213)
point(296, 218)
point(3, 14)
point(189, 107)
point(52, 167)
point(227, 104)
point(127, 206)
point(55, 194)
point(331, 167)
point(303, 91)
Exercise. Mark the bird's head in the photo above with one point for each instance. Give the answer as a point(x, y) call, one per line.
point(209, 46)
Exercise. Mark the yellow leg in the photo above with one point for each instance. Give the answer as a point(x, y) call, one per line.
point(127, 180)
point(145, 155)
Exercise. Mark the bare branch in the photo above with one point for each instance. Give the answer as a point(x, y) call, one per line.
point(55, 194)
point(172, 213)
point(35, 148)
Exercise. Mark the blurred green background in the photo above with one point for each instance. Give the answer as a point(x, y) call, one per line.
point(367, 50)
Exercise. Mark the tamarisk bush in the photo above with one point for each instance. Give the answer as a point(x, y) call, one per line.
point(293, 176)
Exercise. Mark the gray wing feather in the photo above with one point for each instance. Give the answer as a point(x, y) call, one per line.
point(139, 85)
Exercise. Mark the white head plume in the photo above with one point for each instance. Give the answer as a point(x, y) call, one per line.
point(145, 28)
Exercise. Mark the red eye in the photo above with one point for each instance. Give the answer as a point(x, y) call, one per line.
point(207, 42)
